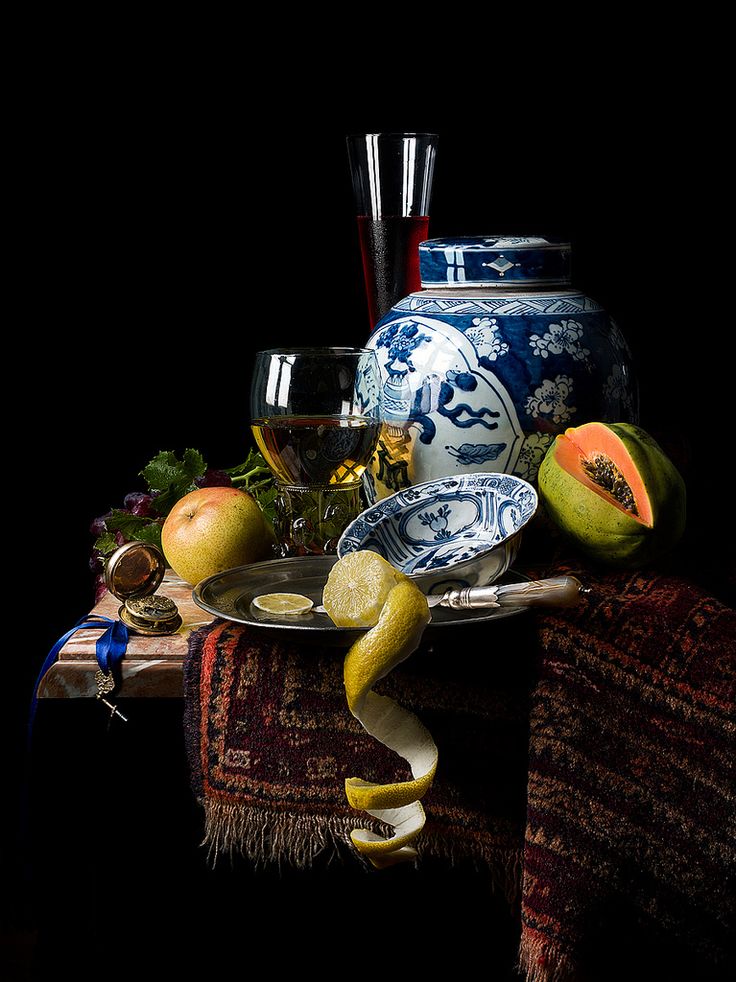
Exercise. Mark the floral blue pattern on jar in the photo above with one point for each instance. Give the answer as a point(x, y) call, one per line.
point(490, 360)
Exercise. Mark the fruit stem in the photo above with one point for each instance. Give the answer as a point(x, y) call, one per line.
point(244, 478)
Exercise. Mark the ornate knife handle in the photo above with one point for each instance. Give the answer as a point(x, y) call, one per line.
point(557, 591)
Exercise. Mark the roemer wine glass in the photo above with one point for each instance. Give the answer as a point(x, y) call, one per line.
point(315, 418)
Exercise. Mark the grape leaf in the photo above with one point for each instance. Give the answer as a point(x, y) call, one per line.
point(150, 533)
point(106, 544)
point(123, 521)
point(166, 469)
point(193, 463)
point(162, 470)
point(134, 526)
point(172, 478)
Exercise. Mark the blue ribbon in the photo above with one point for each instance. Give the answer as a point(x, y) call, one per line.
point(109, 649)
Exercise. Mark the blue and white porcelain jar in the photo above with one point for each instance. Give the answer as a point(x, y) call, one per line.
point(493, 357)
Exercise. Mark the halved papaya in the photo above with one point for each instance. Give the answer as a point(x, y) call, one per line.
point(612, 489)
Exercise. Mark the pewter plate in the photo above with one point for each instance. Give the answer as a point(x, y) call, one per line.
point(230, 595)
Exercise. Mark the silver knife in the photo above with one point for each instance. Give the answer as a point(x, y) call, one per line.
point(556, 591)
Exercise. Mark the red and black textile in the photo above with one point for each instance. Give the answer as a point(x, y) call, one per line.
point(631, 798)
point(586, 758)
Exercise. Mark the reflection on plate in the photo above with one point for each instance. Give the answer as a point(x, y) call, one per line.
point(230, 595)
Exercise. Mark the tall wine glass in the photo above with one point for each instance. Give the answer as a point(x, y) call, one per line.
point(315, 418)
point(392, 181)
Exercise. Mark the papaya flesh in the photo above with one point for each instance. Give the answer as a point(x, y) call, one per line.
point(611, 489)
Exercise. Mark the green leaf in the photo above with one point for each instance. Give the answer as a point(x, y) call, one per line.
point(132, 527)
point(106, 543)
point(193, 463)
point(172, 478)
point(150, 533)
point(164, 502)
point(166, 469)
point(162, 471)
point(123, 521)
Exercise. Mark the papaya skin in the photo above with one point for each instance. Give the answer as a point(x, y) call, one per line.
point(599, 527)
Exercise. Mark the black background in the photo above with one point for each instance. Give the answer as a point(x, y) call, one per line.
point(175, 221)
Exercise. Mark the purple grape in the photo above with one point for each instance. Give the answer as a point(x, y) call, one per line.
point(98, 527)
point(96, 562)
point(120, 538)
point(213, 479)
point(138, 503)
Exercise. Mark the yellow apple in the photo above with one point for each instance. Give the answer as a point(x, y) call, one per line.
point(213, 529)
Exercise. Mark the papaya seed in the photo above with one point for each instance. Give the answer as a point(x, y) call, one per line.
point(603, 472)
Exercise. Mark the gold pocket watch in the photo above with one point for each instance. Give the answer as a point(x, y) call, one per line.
point(133, 574)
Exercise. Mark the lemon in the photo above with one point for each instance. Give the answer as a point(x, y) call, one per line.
point(283, 603)
point(357, 588)
point(402, 617)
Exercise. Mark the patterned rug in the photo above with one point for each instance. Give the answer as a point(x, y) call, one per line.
point(271, 741)
point(585, 758)
point(631, 798)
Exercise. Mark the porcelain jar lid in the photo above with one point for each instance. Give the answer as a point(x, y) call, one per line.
point(494, 261)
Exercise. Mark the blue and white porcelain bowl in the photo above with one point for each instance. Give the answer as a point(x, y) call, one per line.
point(461, 530)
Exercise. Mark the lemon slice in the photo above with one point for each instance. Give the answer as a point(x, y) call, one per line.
point(403, 616)
point(283, 603)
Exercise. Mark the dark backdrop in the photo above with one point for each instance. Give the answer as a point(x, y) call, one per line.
point(172, 230)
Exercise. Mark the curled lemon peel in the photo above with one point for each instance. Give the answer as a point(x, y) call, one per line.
point(397, 633)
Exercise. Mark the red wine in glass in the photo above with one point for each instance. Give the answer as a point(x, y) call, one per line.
point(390, 250)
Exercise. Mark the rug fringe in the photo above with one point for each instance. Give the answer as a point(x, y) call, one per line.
point(265, 836)
point(542, 961)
